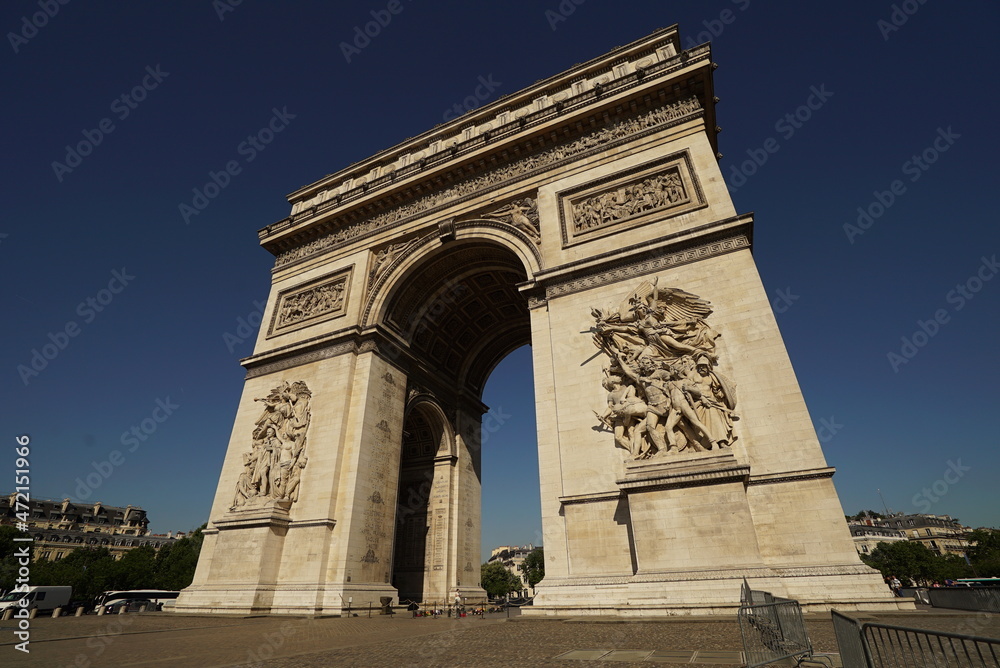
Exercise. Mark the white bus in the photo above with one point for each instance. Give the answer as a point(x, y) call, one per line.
point(153, 595)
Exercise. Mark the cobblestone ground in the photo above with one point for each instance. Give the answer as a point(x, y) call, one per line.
point(157, 640)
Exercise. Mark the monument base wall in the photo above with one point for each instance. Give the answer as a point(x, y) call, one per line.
point(848, 587)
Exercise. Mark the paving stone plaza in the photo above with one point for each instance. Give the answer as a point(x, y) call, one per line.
point(157, 639)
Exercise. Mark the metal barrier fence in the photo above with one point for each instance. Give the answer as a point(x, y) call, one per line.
point(750, 596)
point(850, 641)
point(980, 599)
point(772, 632)
point(885, 646)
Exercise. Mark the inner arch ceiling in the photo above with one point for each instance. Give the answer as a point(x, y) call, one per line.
point(461, 312)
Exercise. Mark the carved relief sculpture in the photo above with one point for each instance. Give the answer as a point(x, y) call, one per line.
point(521, 214)
point(651, 193)
point(664, 392)
point(315, 301)
point(385, 257)
point(273, 467)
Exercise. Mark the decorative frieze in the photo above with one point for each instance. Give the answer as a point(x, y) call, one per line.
point(646, 266)
point(581, 89)
point(591, 143)
point(317, 301)
point(646, 194)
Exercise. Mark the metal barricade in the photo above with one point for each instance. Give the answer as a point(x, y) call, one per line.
point(750, 596)
point(901, 647)
point(772, 632)
point(849, 641)
point(885, 646)
point(980, 599)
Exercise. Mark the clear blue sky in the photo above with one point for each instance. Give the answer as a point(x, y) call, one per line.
point(885, 95)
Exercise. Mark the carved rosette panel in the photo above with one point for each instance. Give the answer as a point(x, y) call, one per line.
point(665, 392)
point(646, 194)
point(272, 469)
point(306, 305)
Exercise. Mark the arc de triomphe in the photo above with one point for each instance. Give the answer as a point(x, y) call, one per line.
point(585, 215)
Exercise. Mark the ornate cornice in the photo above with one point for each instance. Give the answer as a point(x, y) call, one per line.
point(641, 260)
point(791, 476)
point(554, 157)
point(299, 359)
point(649, 59)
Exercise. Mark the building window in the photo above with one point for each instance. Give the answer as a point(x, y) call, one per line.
point(59, 555)
point(47, 554)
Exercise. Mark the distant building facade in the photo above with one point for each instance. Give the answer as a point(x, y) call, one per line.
point(939, 533)
point(512, 557)
point(59, 527)
point(867, 536)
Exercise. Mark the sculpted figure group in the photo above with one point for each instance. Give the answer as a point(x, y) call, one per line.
point(273, 467)
point(316, 301)
point(664, 392)
point(651, 193)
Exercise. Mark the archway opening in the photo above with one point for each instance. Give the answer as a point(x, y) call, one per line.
point(460, 312)
point(511, 511)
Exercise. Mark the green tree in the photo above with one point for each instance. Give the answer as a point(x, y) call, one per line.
point(984, 552)
point(175, 563)
point(137, 569)
point(534, 566)
point(8, 559)
point(88, 570)
point(91, 571)
point(909, 560)
point(497, 580)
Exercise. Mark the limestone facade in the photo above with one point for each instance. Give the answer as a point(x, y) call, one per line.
point(399, 284)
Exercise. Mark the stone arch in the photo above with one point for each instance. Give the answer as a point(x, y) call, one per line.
point(422, 563)
point(461, 306)
point(406, 264)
